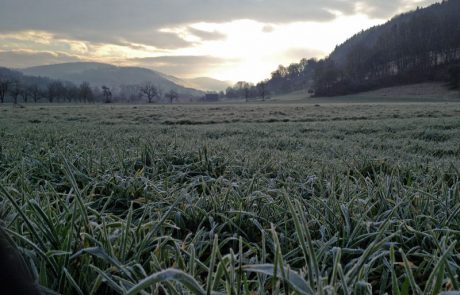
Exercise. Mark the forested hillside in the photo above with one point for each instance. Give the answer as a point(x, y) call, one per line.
point(419, 46)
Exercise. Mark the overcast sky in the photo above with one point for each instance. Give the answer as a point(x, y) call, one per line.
point(224, 39)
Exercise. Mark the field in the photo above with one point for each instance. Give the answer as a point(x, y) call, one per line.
point(432, 92)
point(300, 198)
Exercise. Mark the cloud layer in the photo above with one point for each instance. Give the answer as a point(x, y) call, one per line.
point(138, 21)
point(170, 34)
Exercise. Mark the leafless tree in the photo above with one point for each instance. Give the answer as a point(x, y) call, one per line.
point(35, 92)
point(172, 95)
point(262, 87)
point(247, 89)
point(149, 90)
point(71, 92)
point(55, 91)
point(16, 89)
point(85, 92)
point(25, 92)
point(4, 85)
point(107, 94)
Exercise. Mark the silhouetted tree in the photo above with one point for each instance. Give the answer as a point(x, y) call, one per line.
point(55, 91)
point(85, 93)
point(107, 93)
point(4, 86)
point(149, 90)
point(172, 95)
point(25, 92)
point(35, 92)
point(71, 92)
point(246, 89)
point(16, 89)
point(262, 87)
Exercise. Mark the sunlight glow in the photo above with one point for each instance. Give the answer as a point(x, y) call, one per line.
point(258, 52)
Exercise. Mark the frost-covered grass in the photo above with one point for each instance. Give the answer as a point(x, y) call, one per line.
point(235, 199)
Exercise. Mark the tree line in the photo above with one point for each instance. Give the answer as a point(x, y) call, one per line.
point(247, 91)
point(16, 88)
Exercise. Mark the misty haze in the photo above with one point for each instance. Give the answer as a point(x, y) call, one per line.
point(229, 147)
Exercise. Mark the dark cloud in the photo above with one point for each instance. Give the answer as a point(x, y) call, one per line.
point(179, 65)
point(155, 38)
point(24, 59)
point(163, 40)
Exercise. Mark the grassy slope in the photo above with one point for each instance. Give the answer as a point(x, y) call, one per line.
point(113, 194)
point(425, 92)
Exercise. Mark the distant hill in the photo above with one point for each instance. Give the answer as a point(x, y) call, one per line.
point(209, 84)
point(99, 74)
point(415, 47)
point(202, 83)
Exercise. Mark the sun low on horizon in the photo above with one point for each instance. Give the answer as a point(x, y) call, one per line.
point(225, 40)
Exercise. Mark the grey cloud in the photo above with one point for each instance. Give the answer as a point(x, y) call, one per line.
point(114, 15)
point(24, 59)
point(386, 9)
point(380, 8)
point(155, 38)
point(163, 40)
point(205, 35)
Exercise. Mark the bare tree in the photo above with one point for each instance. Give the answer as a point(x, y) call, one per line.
point(15, 91)
point(35, 92)
point(55, 91)
point(107, 94)
point(4, 85)
point(262, 87)
point(85, 92)
point(247, 89)
point(149, 90)
point(71, 92)
point(50, 92)
point(172, 95)
point(25, 92)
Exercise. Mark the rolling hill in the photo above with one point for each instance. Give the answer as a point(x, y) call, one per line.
point(201, 83)
point(99, 74)
point(209, 84)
